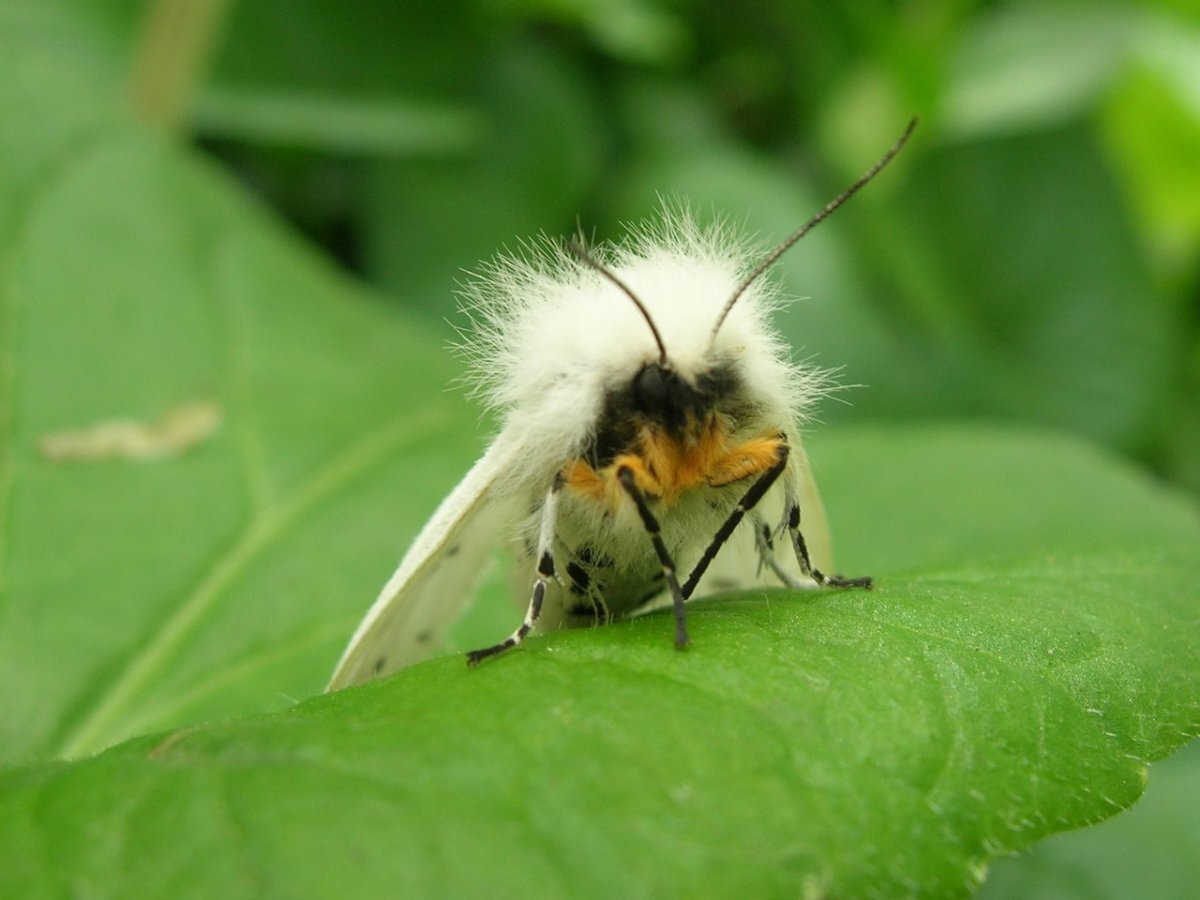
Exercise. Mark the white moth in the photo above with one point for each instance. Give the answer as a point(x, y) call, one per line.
point(651, 417)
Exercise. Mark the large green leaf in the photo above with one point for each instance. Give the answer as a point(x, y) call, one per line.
point(834, 742)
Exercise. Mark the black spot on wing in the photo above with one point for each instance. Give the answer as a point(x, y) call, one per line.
point(579, 578)
point(592, 558)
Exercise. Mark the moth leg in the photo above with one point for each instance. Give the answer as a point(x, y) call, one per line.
point(583, 586)
point(764, 542)
point(629, 482)
point(545, 572)
point(600, 606)
point(792, 523)
point(749, 500)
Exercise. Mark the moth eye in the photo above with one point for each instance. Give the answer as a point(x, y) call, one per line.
point(650, 388)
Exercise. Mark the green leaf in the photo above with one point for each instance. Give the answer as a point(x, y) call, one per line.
point(371, 48)
point(838, 742)
point(1029, 65)
point(1109, 861)
point(1056, 317)
point(281, 77)
point(429, 219)
point(336, 124)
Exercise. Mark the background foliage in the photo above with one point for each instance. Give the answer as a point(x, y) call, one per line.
point(1036, 258)
point(1032, 259)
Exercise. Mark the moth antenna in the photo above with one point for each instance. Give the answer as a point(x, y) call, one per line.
point(773, 257)
point(580, 253)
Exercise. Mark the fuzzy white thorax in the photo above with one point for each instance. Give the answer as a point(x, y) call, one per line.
point(553, 336)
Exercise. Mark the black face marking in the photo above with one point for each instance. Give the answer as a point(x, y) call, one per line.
point(717, 384)
point(656, 395)
point(617, 432)
point(662, 396)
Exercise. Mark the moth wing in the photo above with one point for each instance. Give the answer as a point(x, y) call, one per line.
point(738, 565)
point(437, 577)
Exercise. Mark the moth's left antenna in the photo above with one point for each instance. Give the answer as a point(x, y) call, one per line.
point(580, 253)
point(812, 223)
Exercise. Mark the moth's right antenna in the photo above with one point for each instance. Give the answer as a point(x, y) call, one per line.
point(580, 253)
point(812, 223)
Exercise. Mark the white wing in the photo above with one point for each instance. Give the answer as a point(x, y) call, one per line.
point(437, 577)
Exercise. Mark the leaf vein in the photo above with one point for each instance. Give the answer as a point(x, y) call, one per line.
point(256, 538)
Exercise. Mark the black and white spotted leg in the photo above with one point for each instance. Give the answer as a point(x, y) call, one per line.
point(749, 500)
point(545, 572)
point(581, 585)
point(763, 542)
point(792, 523)
point(629, 483)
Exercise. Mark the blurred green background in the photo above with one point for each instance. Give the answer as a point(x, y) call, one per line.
point(1033, 256)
